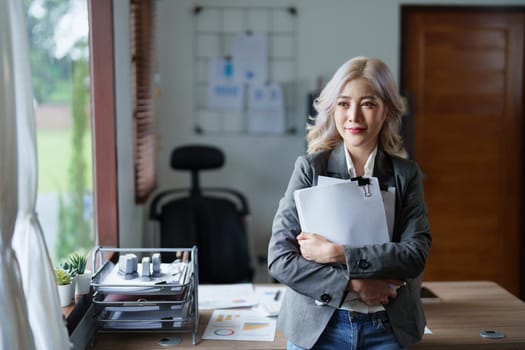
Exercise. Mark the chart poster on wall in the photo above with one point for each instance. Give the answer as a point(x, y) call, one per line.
point(266, 110)
point(250, 58)
point(224, 93)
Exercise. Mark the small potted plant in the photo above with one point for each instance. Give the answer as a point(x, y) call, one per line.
point(65, 287)
point(75, 264)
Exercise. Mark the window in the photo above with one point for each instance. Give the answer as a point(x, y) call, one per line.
point(59, 57)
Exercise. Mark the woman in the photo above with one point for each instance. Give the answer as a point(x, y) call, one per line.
point(343, 297)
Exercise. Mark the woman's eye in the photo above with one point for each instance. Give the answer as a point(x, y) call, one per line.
point(368, 104)
point(342, 103)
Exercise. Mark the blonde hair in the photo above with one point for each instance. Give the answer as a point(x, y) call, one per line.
point(323, 135)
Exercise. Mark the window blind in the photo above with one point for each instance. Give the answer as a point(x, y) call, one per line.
point(142, 44)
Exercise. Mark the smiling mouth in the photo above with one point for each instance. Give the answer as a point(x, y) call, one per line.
point(356, 130)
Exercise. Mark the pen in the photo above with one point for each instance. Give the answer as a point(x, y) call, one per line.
point(277, 295)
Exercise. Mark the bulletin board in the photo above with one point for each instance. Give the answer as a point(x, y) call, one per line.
point(216, 30)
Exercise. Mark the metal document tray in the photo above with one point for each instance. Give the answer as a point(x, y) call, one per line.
point(151, 304)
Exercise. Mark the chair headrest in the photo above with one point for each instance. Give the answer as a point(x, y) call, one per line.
point(196, 157)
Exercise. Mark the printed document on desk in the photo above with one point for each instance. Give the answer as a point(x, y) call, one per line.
point(270, 299)
point(238, 324)
point(343, 214)
point(223, 296)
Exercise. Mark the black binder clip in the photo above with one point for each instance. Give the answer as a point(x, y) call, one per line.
point(364, 183)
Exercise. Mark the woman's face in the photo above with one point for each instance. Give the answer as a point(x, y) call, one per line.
point(359, 115)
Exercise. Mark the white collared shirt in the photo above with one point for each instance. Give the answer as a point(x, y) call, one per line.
point(369, 165)
point(351, 302)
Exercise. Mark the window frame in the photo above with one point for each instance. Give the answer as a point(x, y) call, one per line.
point(104, 143)
point(102, 75)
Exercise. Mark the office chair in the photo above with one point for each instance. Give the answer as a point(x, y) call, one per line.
point(214, 219)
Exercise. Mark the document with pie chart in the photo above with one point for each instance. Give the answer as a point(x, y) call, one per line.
point(235, 324)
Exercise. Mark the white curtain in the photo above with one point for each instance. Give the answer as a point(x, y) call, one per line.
point(42, 308)
point(15, 331)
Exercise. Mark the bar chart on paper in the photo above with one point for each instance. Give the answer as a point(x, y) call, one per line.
point(231, 324)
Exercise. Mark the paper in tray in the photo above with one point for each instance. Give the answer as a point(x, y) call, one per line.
point(147, 302)
point(172, 276)
point(139, 298)
point(145, 319)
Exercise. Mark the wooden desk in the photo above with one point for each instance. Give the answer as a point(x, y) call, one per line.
point(465, 309)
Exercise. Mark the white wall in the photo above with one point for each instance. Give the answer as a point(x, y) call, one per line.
point(329, 33)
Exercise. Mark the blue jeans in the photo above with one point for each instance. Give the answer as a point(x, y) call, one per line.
point(349, 330)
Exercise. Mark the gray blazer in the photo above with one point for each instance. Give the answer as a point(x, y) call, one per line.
point(302, 319)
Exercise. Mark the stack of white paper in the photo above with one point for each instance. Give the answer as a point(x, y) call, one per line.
point(342, 213)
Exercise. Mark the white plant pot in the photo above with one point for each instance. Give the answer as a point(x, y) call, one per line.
point(83, 283)
point(66, 294)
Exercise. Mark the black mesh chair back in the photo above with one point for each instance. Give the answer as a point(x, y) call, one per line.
point(212, 218)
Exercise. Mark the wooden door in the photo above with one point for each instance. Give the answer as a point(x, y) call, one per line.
point(464, 70)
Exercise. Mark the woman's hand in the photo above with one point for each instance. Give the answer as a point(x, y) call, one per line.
point(316, 248)
point(375, 292)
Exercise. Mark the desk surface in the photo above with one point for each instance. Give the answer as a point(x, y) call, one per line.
point(464, 309)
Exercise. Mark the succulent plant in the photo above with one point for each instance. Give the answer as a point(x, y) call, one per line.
point(62, 277)
point(75, 264)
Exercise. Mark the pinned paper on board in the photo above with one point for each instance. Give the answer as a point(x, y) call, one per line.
point(250, 58)
point(224, 93)
point(266, 112)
